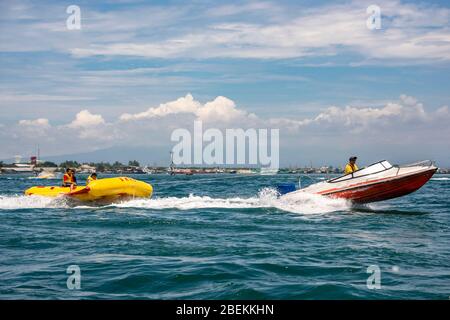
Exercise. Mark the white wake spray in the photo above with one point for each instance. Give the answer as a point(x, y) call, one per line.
point(302, 203)
point(30, 202)
point(267, 198)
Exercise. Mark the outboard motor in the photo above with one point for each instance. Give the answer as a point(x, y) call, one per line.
point(286, 188)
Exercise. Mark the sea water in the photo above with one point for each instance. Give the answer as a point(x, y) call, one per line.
point(224, 236)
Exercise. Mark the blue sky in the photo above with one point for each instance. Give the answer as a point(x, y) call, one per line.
point(285, 62)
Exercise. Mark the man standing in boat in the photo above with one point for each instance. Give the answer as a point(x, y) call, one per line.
point(351, 165)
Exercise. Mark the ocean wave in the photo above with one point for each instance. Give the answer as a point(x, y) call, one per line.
point(441, 179)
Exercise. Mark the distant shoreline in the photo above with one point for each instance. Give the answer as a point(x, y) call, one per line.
point(35, 170)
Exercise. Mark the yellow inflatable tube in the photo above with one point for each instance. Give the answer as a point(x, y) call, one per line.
point(101, 189)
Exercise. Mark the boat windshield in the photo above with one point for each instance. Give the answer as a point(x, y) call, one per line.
point(373, 168)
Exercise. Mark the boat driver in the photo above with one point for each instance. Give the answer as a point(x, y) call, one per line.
point(351, 165)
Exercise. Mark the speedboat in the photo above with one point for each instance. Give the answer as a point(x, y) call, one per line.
point(377, 182)
point(102, 189)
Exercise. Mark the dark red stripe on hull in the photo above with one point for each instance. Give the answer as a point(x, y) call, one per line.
point(385, 190)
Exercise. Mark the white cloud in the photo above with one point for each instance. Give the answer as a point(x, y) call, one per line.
point(406, 109)
point(39, 123)
point(408, 32)
point(85, 119)
point(257, 30)
point(443, 112)
point(401, 114)
point(405, 114)
point(37, 128)
point(185, 104)
point(221, 109)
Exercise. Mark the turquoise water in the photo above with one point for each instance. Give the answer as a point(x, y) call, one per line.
point(224, 237)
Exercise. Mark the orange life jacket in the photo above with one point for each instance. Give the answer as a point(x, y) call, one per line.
point(68, 178)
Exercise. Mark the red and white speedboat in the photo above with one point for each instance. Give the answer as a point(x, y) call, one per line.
point(377, 182)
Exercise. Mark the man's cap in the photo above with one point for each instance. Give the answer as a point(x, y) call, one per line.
point(353, 158)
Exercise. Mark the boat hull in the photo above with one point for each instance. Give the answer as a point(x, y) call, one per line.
point(103, 189)
point(384, 189)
